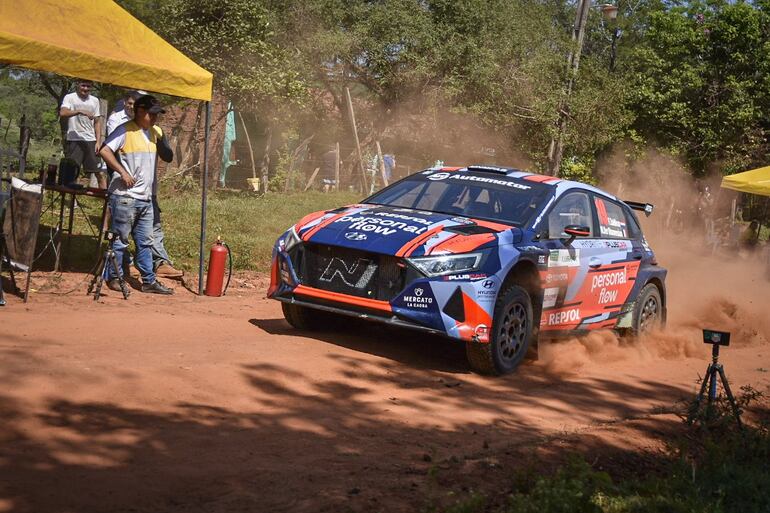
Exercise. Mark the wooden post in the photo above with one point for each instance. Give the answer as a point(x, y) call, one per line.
point(733, 212)
point(266, 159)
point(312, 177)
point(337, 167)
point(382, 164)
point(358, 144)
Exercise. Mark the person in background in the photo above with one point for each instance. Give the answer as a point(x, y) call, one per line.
point(123, 113)
point(328, 169)
point(161, 262)
point(749, 238)
point(131, 150)
point(84, 132)
point(390, 165)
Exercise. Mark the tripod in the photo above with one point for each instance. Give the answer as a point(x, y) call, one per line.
point(101, 269)
point(714, 372)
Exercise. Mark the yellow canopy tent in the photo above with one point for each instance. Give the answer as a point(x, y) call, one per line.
point(97, 40)
point(100, 41)
point(756, 181)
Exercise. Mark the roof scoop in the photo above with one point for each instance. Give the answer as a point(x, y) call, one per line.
point(469, 229)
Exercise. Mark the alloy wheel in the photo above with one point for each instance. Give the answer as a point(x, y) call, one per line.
point(513, 332)
point(649, 314)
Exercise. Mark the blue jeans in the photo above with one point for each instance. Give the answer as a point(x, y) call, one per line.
point(132, 216)
point(159, 253)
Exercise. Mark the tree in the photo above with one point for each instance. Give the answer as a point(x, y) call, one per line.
point(235, 40)
point(701, 83)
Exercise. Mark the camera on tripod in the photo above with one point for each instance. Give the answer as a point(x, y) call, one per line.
point(717, 338)
point(109, 235)
point(714, 373)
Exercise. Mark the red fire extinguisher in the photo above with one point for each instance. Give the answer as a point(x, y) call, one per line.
point(216, 274)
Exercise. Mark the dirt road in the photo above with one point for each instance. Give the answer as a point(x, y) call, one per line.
point(204, 404)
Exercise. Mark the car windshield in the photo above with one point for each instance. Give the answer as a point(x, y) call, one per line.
point(478, 195)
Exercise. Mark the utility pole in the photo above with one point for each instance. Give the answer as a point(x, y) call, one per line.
point(556, 148)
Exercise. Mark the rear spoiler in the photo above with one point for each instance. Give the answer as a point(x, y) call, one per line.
point(647, 208)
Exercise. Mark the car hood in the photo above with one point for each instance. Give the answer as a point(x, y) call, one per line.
point(398, 231)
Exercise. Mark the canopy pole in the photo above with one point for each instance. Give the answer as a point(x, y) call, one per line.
point(203, 196)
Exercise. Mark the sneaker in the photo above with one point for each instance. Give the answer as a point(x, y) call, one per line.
point(114, 284)
point(168, 271)
point(157, 287)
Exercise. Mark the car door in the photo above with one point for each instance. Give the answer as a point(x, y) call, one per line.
point(565, 305)
point(612, 266)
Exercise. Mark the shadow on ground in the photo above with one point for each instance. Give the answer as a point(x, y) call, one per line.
point(308, 444)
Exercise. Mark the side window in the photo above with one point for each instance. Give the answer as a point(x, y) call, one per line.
point(634, 230)
point(573, 208)
point(613, 223)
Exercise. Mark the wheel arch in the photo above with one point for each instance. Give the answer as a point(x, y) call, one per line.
point(526, 275)
point(662, 291)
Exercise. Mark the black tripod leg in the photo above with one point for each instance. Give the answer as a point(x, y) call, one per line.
point(98, 277)
point(712, 385)
point(698, 398)
point(121, 281)
point(730, 397)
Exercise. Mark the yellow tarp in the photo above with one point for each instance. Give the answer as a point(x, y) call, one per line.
point(756, 181)
point(97, 40)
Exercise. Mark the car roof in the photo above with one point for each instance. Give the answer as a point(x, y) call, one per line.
point(560, 185)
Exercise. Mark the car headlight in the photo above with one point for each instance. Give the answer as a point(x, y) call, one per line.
point(290, 239)
point(446, 264)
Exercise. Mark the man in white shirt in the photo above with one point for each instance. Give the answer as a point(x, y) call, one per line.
point(84, 132)
point(125, 113)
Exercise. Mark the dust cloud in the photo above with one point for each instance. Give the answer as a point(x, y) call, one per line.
point(710, 283)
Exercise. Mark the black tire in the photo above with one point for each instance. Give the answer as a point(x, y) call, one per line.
point(510, 338)
point(648, 311)
point(302, 317)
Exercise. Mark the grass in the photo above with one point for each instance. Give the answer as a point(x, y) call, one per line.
point(249, 224)
point(711, 467)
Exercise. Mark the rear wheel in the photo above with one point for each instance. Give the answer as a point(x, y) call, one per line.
point(511, 335)
point(648, 312)
point(302, 317)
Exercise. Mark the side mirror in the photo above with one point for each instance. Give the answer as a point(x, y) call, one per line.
point(575, 230)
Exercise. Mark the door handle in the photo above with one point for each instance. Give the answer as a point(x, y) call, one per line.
point(637, 255)
point(594, 262)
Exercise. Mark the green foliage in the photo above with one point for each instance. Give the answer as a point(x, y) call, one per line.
point(235, 40)
point(578, 170)
point(575, 488)
point(21, 94)
point(701, 82)
point(713, 467)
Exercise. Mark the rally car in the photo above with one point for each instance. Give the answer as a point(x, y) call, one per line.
point(494, 257)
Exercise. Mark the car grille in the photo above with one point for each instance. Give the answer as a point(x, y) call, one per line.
point(349, 271)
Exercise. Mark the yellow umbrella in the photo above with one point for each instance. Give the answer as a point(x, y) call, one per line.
point(756, 181)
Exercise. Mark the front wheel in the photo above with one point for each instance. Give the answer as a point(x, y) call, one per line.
point(511, 335)
point(302, 317)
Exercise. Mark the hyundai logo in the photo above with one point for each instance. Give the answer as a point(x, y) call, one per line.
point(488, 284)
point(355, 236)
point(438, 176)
